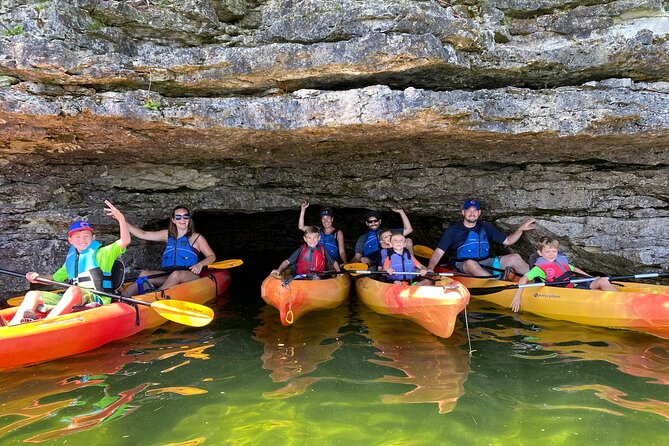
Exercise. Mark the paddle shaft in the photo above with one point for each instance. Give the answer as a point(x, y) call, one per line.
point(63, 284)
point(491, 290)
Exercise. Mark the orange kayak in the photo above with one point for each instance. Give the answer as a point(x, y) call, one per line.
point(74, 333)
point(435, 308)
point(636, 306)
point(299, 297)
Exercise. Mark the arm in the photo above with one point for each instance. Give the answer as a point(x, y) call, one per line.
point(517, 301)
point(421, 269)
point(277, 272)
point(342, 249)
point(300, 221)
point(152, 236)
point(122, 224)
point(527, 225)
point(580, 271)
point(208, 253)
point(434, 259)
point(406, 224)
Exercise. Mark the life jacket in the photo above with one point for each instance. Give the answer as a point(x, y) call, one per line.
point(330, 243)
point(556, 271)
point(475, 247)
point(399, 262)
point(83, 270)
point(311, 260)
point(179, 254)
point(372, 248)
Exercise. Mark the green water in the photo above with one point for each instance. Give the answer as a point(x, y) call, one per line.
point(348, 377)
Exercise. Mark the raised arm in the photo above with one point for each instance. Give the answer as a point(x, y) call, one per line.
point(300, 221)
point(122, 224)
point(152, 236)
point(527, 225)
point(406, 224)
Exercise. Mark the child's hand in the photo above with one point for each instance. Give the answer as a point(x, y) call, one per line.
point(32, 276)
point(112, 211)
point(389, 270)
point(516, 303)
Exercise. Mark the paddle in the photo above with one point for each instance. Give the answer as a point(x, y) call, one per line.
point(496, 289)
point(352, 269)
point(422, 251)
point(186, 313)
point(225, 264)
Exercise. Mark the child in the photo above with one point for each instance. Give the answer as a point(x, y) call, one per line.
point(88, 263)
point(400, 259)
point(552, 266)
point(309, 258)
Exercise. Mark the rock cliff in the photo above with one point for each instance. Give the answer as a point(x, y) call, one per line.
point(553, 109)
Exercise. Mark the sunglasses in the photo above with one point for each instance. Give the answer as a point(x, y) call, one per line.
point(372, 221)
point(180, 216)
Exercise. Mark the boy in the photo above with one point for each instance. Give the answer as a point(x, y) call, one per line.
point(552, 266)
point(87, 263)
point(400, 259)
point(308, 258)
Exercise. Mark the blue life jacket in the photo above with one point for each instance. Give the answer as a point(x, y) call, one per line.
point(475, 247)
point(372, 244)
point(330, 243)
point(83, 270)
point(179, 254)
point(400, 263)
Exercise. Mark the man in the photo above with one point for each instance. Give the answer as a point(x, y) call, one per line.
point(368, 245)
point(468, 243)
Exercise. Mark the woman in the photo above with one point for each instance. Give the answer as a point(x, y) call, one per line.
point(180, 262)
point(331, 239)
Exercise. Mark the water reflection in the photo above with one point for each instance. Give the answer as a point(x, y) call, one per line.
point(289, 353)
point(66, 396)
point(436, 368)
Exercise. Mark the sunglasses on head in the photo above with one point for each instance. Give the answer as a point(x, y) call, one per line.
point(372, 221)
point(180, 216)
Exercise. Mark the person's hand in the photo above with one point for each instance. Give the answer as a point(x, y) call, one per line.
point(305, 204)
point(398, 210)
point(422, 271)
point(196, 269)
point(32, 277)
point(389, 270)
point(528, 225)
point(111, 211)
point(516, 303)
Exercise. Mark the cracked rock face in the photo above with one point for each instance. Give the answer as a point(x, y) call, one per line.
point(548, 109)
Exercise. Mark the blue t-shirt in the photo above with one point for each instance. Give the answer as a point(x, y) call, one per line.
point(456, 234)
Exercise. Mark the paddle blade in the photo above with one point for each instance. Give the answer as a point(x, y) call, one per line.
point(423, 251)
point(355, 266)
point(225, 264)
point(182, 312)
point(15, 301)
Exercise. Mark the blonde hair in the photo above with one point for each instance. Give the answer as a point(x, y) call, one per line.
point(311, 230)
point(547, 242)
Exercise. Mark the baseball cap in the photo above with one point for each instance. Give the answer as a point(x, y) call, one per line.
point(326, 211)
point(79, 225)
point(470, 203)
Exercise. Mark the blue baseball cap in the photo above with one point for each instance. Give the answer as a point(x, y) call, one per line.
point(470, 203)
point(326, 211)
point(79, 225)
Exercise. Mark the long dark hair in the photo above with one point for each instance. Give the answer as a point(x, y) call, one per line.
point(172, 229)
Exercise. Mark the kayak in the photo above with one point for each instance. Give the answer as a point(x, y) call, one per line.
point(435, 308)
point(295, 298)
point(74, 333)
point(636, 306)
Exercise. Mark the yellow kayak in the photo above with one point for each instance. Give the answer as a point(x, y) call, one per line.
point(636, 306)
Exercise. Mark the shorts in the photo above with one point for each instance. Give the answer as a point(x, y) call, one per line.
point(495, 263)
point(51, 299)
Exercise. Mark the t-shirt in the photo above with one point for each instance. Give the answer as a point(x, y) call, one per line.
point(456, 234)
point(105, 256)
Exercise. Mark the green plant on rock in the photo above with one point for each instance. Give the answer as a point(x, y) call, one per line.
point(151, 105)
point(16, 30)
point(41, 5)
point(95, 25)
